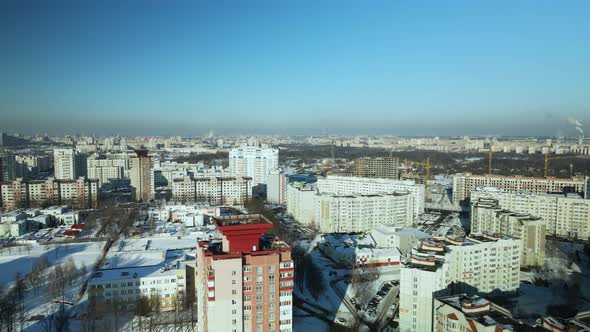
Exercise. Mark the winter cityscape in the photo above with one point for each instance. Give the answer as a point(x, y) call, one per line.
point(158, 171)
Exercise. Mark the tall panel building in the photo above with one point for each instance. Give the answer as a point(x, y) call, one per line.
point(244, 281)
point(377, 167)
point(276, 189)
point(141, 176)
point(253, 161)
point(8, 167)
point(64, 164)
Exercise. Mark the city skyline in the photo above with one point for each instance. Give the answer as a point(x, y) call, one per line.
point(266, 68)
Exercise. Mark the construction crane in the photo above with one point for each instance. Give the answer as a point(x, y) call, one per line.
point(547, 158)
point(426, 165)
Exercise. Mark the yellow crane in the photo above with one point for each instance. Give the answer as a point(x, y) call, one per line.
point(547, 158)
point(426, 165)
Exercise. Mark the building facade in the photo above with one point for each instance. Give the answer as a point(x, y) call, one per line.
point(213, 190)
point(567, 215)
point(64, 164)
point(105, 169)
point(350, 185)
point(79, 193)
point(253, 161)
point(276, 187)
point(244, 283)
point(142, 182)
point(377, 167)
point(361, 213)
point(487, 217)
point(300, 199)
point(462, 313)
point(436, 268)
point(464, 184)
point(122, 289)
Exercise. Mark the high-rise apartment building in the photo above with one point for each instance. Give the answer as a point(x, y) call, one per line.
point(475, 264)
point(464, 184)
point(377, 167)
point(79, 193)
point(213, 190)
point(64, 164)
point(253, 161)
point(301, 199)
point(276, 187)
point(244, 281)
point(142, 182)
point(8, 168)
point(487, 217)
point(567, 214)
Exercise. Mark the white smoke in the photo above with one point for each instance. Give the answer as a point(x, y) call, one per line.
point(577, 124)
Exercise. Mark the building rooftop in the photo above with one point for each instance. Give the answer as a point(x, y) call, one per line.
point(240, 220)
point(486, 313)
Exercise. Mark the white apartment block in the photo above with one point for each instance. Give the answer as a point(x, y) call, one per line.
point(64, 164)
point(105, 170)
point(300, 199)
point(360, 213)
point(487, 217)
point(464, 184)
point(214, 190)
point(276, 187)
point(253, 161)
point(350, 185)
point(472, 264)
point(79, 193)
point(567, 215)
point(355, 204)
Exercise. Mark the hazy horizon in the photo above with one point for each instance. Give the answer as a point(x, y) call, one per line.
point(266, 67)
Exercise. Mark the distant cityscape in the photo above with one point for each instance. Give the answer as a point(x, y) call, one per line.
point(226, 234)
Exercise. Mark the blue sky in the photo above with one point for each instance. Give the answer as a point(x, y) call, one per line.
point(299, 67)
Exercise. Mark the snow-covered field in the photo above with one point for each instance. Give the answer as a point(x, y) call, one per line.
point(20, 259)
point(38, 301)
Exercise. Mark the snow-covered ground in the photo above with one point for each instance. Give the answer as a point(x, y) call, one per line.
point(21, 260)
point(561, 272)
point(38, 301)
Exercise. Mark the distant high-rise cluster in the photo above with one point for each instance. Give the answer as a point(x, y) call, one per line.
point(253, 161)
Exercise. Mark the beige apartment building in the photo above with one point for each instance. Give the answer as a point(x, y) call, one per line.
point(464, 184)
point(487, 217)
